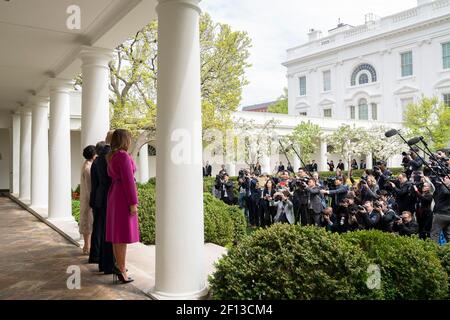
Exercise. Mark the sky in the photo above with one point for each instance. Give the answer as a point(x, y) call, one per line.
point(276, 25)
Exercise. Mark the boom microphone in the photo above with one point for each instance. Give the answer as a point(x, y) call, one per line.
point(414, 141)
point(391, 133)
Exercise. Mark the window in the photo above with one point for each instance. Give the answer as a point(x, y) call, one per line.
point(446, 55)
point(407, 64)
point(327, 113)
point(363, 78)
point(374, 111)
point(352, 112)
point(327, 80)
point(364, 67)
point(303, 114)
point(446, 98)
point(363, 110)
point(302, 81)
point(405, 103)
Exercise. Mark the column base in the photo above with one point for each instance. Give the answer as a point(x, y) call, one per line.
point(68, 226)
point(199, 295)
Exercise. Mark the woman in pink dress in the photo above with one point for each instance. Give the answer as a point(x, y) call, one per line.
point(121, 218)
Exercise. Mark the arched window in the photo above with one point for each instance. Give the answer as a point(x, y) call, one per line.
point(363, 78)
point(151, 151)
point(363, 110)
point(364, 67)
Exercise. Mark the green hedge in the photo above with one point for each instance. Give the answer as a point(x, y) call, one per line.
point(409, 269)
point(224, 225)
point(76, 210)
point(293, 262)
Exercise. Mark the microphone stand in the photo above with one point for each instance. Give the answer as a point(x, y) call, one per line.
point(431, 156)
point(424, 162)
point(303, 164)
point(284, 152)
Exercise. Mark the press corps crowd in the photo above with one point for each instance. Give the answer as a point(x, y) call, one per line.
point(410, 203)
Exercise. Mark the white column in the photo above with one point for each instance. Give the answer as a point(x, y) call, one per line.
point(179, 224)
point(143, 164)
point(323, 155)
point(296, 163)
point(15, 153)
point(95, 95)
point(60, 198)
point(25, 154)
point(265, 164)
point(369, 157)
point(231, 169)
point(39, 153)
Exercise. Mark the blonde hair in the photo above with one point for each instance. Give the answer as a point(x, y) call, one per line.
point(120, 140)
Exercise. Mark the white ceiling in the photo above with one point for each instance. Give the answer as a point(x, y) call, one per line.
point(36, 44)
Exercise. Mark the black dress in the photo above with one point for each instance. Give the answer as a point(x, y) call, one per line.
point(101, 251)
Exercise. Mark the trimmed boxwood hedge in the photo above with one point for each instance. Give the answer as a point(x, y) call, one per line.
point(410, 267)
point(76, 210)
point(293, 262)
point(224, 225)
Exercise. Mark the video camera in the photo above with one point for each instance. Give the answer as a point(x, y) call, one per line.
point(330, 183)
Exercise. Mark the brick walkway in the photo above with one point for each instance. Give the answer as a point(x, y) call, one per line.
point(34, 259)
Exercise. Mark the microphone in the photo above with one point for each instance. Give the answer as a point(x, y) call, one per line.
point(391, 133)
point(414, 141)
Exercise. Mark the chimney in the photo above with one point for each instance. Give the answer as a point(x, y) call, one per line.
point(314, 34)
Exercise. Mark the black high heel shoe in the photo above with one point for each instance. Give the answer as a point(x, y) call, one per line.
point(121, 278)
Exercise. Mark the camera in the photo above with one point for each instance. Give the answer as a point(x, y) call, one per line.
point(330, 183)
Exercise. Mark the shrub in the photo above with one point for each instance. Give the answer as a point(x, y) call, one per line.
point(224, 225)
point(292, 262)
point(410, 269)
point(76, 210)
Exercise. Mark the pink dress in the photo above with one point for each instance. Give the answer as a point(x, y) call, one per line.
point(121, 226)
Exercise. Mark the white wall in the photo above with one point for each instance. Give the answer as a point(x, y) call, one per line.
point(4, 159)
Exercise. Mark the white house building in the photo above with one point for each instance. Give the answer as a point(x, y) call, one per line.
point(371, 72)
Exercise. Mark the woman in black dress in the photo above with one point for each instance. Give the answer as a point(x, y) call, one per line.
point(103, 252)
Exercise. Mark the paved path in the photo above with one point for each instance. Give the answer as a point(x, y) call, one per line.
point(34, 260)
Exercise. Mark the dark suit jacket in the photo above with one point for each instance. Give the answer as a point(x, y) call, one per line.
point(100, 181)
point(315, 199)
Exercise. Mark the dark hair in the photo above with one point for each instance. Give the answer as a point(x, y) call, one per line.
point(100, 146)
point(89, 152)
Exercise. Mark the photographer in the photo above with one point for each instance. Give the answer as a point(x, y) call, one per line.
point(406, 226)
point(371, 214)
point(315, 203)
point(226, 188)
point(368, 189)
point(284, 207)
point(269, 203)
point(338, 194)
point(441, 213)
point(405, 201)
point(346, 209)
point(389, 216)
point(327, 219)
point(300, 198)
point(424, 215)
point(381, 174)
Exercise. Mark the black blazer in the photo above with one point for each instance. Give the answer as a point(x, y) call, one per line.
point(100, 181)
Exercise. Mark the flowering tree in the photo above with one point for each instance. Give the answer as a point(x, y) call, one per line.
point(253, 141)
point(383, 148)
point(305, 138)
point(350, 142)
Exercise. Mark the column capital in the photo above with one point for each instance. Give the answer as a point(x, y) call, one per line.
point(61, 85)
point(94, 56)
point(190, 3)
point(39, 102)
point(25, 110)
